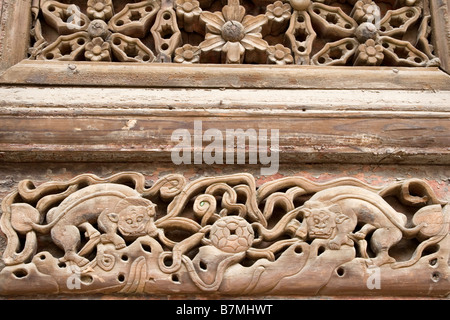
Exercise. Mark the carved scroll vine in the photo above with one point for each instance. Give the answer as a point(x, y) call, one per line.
point(223, 235)
point(305, 32)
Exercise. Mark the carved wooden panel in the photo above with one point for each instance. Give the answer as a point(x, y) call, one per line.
point(224, 235)
point(305, 32)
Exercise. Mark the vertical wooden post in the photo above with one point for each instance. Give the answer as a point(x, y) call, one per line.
point(15, 42)
point(440, 10)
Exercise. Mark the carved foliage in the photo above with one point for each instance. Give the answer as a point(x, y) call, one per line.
point(223, 235)
point(235, 31)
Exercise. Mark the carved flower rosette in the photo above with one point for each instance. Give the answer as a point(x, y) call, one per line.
point(224, 235)
point(236, 31)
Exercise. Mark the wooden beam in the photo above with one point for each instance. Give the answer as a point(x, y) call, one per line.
point(349, 126)
point(223, 76)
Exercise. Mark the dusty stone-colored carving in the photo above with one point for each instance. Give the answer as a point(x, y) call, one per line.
point(223, 235)
point(239, 31)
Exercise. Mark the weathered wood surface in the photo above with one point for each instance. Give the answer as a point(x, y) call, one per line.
point(15, 26)
point(223, 235)
point(224, 76)
point(440, 10)
point(59, 124)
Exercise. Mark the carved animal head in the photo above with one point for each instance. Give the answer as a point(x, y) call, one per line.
point(322, 218)
point(134, 216)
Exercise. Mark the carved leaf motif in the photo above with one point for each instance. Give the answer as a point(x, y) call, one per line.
point(65, 18)
point(166, 33)
point(396, 22)
point(332, 21)
point(336, 53)
point(402, 53)
point(129, 49)
point(66, 48)
point(301, 36)
point(422, 42)
point(135, 19)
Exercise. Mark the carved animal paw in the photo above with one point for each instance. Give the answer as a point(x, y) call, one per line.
point(118, 242)
point(120, 245)
point(301, 233)
point(359, 235)
point(75, 258)
point(92, 235)
point(333, 245)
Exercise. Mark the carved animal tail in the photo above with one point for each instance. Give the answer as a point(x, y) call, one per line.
point(438, 236)
point(408, 232)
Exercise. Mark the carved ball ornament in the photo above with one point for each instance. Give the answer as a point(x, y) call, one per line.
point(233, 31)
point(232, 234)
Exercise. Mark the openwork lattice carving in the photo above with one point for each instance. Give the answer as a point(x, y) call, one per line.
point(305, 32)
point(224, 235)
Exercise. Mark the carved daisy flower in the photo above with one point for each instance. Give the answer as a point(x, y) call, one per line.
point(188, 12)
point(279, 54)
point(187, 54)
point(278, 11)
point(233, 32)
point(188, 8)
point(370, 53)
point(366, 11)
point(100, 9)
point(97, 50)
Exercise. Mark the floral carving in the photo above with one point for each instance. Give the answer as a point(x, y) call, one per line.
point(187, 54)
point(369, 53)
point(278, 11)
point(233, 32)
point(279, 54)
point(100, 9)
point(188, 13)
point(236, 31)
point(98, 50)
point(366, 11)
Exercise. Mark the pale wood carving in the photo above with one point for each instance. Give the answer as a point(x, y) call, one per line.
point(223, 235)
point(326, 33)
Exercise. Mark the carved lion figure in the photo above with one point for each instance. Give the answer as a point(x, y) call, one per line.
point(113, 207)
point(336, 212)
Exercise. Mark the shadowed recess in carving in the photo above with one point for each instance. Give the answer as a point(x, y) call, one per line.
point(303, 32)
point(224, 235)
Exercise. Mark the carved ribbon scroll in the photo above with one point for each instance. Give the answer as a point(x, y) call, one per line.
point(224, 235)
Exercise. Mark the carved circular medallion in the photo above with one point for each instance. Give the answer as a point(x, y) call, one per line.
point(98, 28)
point(233, 31)
point(232, 234)
point(366, 31)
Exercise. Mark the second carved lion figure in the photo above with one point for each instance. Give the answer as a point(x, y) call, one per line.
point(335, 213)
